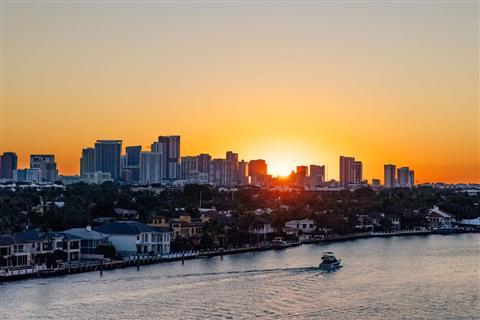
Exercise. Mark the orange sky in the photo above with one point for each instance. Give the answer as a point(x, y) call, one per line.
point(291, 83)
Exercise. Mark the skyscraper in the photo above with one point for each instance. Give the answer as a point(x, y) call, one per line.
point(132, 164)
point(242, 173)
point(232, 159)
point(403, 177)
point(204, 163)
point(317, 175)
point(389, 180)
point(8, 163)
point(47, 166)
point(357, 172)
point(257, 170)
point(189, 168)
point(87, 161)
point(302, 172)
point(411, 178)
point(219, 172)
point(150, 164)
point(169, 146)
point(346, 170)
point(107, 157)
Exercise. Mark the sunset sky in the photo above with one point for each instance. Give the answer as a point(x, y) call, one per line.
point(290, 82)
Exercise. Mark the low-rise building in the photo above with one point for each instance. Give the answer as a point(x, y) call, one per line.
point(90, 239)
point(306, 226)
point(132, 237)
point(439, 219)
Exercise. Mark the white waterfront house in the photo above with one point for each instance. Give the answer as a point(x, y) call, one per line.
point(132, 237)
point(439, 219)
point(305, 225)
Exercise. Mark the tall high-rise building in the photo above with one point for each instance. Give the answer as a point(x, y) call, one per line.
point(132, 162)
point(403, 177)
point(257, 170)
point(150, 164)
point(220, 172)
point(169, 146)
point(107, 157)
point(87, 161)
point(346, 170)
point(204, 163)
point(242, 173)
point(189, 168)
point(317, 175)
point(301, 174)
point(389, 180)
point(411, 178)
point(232, 159)
point(357, 172)
point(47, 166)
point(8, 163)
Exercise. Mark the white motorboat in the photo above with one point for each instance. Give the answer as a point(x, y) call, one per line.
point(279, 243)
point(330, 262)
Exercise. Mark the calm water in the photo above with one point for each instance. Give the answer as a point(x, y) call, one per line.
point(432, 277)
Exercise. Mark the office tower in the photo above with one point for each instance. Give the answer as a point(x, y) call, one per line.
point(357, 172)
point(219, 172)
point(204, 163)
point(411, 178)
point(133, 155)
point(151, 167)
point(389, 180)
point(242, 173)
point(317, 175)
point(8, 163)
point(47, 166)
point(132, 163)
point(87, 161)
point(403, 174)
point(346, 170)
point(301, 173)
point(257, 170)
point(107, 157)
point(189, 169)
point(232, 159)
point(169, 146)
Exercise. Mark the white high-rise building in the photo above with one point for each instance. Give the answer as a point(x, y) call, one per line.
point(169, 147)
point(151, 167)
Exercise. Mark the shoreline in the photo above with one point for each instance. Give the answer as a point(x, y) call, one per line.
point(33, 272)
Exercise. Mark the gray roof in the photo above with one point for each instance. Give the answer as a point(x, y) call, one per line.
point(85, 234)
point(125, 227)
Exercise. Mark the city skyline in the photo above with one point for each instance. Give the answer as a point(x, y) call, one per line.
point(351, 168)
point(294, 85)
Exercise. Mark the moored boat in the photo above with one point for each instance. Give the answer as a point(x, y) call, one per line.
point(279, 243)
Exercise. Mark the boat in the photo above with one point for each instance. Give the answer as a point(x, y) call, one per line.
point(330, 262)
point(279, 243)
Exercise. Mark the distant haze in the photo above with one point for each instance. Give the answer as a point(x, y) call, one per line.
point(290, 82)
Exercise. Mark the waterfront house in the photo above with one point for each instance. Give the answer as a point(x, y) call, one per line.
point(263, 228)
point(181, 228)
point(89, 240)
point(306, 226)
point(66, 244)
point(132, 237)
point(36, 244)
point(439, 219)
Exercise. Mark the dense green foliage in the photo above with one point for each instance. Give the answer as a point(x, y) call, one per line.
point(84, 204)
